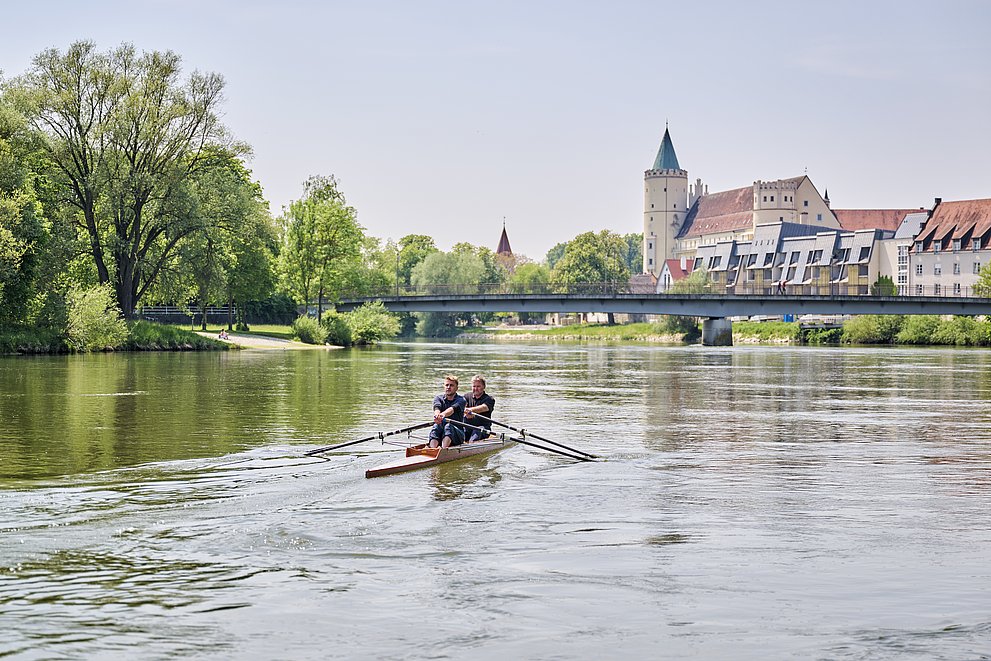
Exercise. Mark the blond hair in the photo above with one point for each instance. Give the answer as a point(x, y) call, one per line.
point(451, 377)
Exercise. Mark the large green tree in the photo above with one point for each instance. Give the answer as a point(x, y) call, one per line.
point(320, 236)
point(593, 260)
point(124, 134)
point(22, 232)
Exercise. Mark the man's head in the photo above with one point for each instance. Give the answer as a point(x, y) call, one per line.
point(477, 385)
point(450, 385)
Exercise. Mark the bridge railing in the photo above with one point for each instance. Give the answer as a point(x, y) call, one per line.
point(610, 288)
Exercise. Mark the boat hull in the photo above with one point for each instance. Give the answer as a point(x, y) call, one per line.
point(420, 456)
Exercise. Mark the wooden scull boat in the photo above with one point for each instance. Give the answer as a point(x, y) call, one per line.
point(420, 456)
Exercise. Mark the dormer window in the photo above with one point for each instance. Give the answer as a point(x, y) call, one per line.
point(957, 244)
point(918, 246)
point(937, 246)
point(975, 243)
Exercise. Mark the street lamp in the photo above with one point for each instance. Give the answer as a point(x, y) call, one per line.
point(397, 271)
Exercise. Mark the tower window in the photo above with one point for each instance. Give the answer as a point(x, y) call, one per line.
point(805, 203)
point(772, 198)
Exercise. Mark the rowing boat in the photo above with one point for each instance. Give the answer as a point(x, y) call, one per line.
point(420, 456)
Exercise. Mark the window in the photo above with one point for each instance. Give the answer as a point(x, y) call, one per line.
point(815, 272)
point(975, 243)
point(937, 290)
point(794, 257)
point(902, 258)
point(751, 260)
point(956, 288)
point(765, 198)
point(937, 246)
point(863, 270)
point(937, 270)
point(805, 203)
point(781, 219)
point(819, 217)
point(977, 267)
point(772, 198)
point(918, 246)
point(956, 268)
point(650, 262)
point(768, 258)
point(865, 253)
point(902, 279)
point(767, 275)
point(817, 256)
point(957, 244)
point(918, 290)
point(918, 269)
point(650, 245)
point(652, 206)
point(698, 263)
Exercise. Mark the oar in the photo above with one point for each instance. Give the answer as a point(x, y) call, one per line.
point(524, 442)
point(531, 434)
point(379, 435)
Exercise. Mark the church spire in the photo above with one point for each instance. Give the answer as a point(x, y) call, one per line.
point(666, 158)
point(504, 248)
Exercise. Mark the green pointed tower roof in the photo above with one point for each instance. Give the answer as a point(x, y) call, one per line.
point(666, 158)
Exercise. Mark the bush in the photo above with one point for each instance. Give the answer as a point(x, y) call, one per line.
point(918, 330)
point(371, 323)
point(687, 327)
point(338, 329)
point(961, 332)
point(277, 309)
point(95, 323)
point(308, 330)
point(872, 329)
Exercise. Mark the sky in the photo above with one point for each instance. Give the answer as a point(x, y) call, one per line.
point(448, 117)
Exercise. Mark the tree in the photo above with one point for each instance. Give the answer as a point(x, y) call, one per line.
point(530, 279)
point(22, 233)
point(442, 273)
point(983, 285)
point(320, 234)
point(592, 258)
point(634, 252)
point(884, 286)
point(555, 254)
point(124, 135)
point(413, 249)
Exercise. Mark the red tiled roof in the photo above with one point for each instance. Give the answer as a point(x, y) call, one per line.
point(726, 211)
point(677, 273)
point(643, 283)
point(852, 220)
point(956, 220)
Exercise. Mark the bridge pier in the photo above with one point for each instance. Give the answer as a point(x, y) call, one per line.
point(717, 332)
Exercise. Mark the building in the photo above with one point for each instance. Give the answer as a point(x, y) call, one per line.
point(951, 248)
point(679, 220)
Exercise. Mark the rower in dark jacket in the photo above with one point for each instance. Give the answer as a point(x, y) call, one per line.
point(481, 402)
point(448, 409)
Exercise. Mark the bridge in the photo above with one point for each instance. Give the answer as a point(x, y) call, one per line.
point(716, 309)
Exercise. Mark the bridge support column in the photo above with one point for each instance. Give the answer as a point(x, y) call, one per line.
point(717, 332)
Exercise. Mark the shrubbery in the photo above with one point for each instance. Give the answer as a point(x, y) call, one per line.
point(872, 329)
point(337, 327)
point(308, 330)
point(95, 323)
point(371, 323)
point(687, 327)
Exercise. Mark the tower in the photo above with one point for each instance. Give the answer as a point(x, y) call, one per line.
point(665, 205)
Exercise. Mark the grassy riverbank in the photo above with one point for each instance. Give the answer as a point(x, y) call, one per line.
point(142, 336)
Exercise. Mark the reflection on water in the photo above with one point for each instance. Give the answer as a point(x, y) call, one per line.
point(753, 503)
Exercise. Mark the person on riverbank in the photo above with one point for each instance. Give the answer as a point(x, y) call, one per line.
point(449, 408)
point(481, 402)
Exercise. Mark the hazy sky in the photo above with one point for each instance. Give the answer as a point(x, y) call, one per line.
point(442, 118)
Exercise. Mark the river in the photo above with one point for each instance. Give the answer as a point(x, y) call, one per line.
point(752, 503)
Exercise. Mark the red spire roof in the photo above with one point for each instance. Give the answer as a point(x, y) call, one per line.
point(504, 248)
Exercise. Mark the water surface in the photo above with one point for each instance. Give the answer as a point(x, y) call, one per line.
point(754, 503)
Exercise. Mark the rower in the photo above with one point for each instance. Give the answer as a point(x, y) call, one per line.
point(479, 401)
point(448, 407)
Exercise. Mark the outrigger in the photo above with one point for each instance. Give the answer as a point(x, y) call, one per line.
point(420, 456)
